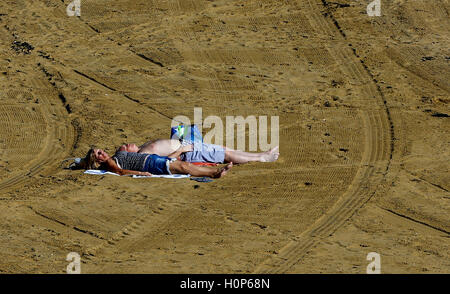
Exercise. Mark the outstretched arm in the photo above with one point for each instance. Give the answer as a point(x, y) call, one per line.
point(126, 172)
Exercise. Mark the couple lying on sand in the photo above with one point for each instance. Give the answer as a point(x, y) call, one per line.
point(171, 156)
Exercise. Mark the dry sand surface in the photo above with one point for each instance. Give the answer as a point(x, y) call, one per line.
point(363, 104)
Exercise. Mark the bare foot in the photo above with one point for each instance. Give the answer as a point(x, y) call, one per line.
point(223, 171)
point(271, 155)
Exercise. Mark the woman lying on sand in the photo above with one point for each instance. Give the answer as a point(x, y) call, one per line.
point(200, 152)
point(130, 163)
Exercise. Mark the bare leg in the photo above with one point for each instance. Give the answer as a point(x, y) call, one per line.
point(237, 156)
point(182, 167)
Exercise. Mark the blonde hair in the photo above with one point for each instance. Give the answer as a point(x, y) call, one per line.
point(89, 161)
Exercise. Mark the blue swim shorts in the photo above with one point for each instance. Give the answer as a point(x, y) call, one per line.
point(158, 165)
point(205, 153)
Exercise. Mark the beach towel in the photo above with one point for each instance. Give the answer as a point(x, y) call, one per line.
point(104, 172)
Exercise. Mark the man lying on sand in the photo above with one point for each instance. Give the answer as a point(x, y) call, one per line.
point(200, 152)
point(131, 163)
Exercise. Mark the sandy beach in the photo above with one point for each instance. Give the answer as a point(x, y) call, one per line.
point(363, 107)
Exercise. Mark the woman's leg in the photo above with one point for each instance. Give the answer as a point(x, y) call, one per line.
point(183, 167)
point(237, 156)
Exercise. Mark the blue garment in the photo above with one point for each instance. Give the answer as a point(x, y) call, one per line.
point(158, 165)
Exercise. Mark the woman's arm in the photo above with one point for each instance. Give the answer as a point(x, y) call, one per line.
point(112, 166)
point(180, 151)
point(126, 172)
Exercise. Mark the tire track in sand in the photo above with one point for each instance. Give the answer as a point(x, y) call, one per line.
point(377, 154)
point(49, 127)
point(49, 152)
point(143, 224)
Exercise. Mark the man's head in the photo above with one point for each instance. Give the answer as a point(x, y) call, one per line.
point(129, 148)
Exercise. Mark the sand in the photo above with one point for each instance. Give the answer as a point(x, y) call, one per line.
point(364, 135)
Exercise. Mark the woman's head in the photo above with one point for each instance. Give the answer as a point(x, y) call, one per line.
point(93, 159)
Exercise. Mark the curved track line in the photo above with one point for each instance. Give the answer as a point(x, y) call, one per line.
point(292, 252)
point(408, 60)
point(44, 160)
point(61, 7)
point(46, 157)
point(375, 161)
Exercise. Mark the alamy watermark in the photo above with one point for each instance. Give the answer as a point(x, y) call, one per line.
point(375, 266)
point(257, 130)
point(374, 8)
point(74, 267)
point(74, 8)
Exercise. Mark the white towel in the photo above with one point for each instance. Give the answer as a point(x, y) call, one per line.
point(104, 172)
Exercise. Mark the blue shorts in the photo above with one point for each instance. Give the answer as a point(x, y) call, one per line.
point(205, 153)
point(158, 165)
